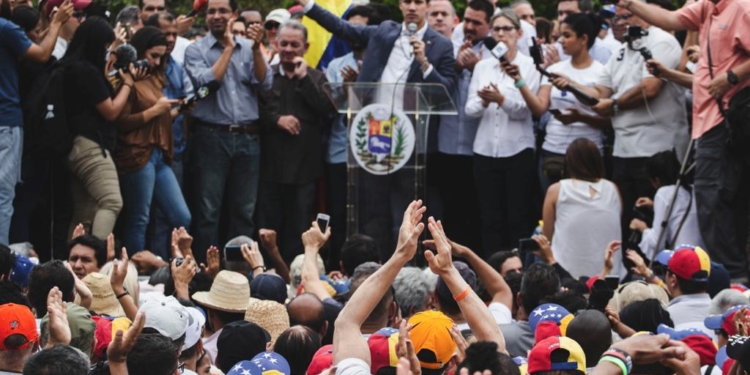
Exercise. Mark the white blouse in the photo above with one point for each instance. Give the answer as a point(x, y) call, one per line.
point(504, 130)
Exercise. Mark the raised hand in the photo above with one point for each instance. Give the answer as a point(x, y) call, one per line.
point(78, 231)
point(545, 249)
point(184, 273)
point(119, 272)
point(212, 258)
point(227, 39)
point(110, 247)
point(442, 262)
point(255, 33)
point(411, 229)
point(59, 330)
point(314, 238)
point(252, 255)
point(64, 12)
point(405, 348)
point(184, 241)
point(609, 254)
point(123, 342)
point(184, 23)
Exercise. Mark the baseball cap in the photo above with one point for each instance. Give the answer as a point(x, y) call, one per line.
point(278, 15)
point(106, 328)
point(696, 339)
point(240, 340)
point(549, 319)
point(166, 315)
point(81, 325)
point(268, 286)
point(321, 360)
point(718, 280)
point(77, 5)
point(523, 365)
point(17, 320)
point(432, 338)
point(21, 271)
point(383, 345)
point(738, 349)
point(267, 363)
point(466, 273)
point(196, 321)
point(557, 353)
point(724, 321)
point(687, 262)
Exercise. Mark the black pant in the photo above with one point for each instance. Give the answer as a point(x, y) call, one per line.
point(721, 194)
point(287, 209)
point(504, 188)
point(455, 174)
point(336, 202)
point(631, 178)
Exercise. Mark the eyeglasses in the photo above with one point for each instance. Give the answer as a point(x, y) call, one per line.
point(253, 23)
point(624, 17)
point(506, 29)
point(154, 9)
point(271, 25)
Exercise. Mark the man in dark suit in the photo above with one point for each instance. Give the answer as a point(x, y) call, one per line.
point(390, 45)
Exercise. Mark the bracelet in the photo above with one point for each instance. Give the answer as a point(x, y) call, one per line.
point(463, 294)
point(261, 266)
point(622, 355)
point(520, 83)
point(617, 362)
point(124, 294)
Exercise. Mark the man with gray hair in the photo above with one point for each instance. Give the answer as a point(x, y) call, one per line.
point(524, 10)
point(414, 291)
point(441, 16)
point(726, 299)
point(293, 113)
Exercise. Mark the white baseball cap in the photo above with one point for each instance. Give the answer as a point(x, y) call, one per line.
point(166, 315)
point(196, 321)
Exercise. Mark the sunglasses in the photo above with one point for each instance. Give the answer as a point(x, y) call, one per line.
point(154, 9)
point(271, 25)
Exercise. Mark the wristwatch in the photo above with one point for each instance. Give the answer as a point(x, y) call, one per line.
point(732, 78)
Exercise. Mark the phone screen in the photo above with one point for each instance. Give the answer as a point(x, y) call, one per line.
point(323, 222)
point(527, 245)
point(233, 254)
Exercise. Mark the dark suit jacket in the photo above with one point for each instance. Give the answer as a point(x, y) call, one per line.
point(380, 41)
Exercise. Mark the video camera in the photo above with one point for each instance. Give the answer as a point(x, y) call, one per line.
point(126, 55)
point(634, 33)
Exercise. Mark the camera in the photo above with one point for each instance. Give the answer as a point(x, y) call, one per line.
point(635, 33)
point(126, 55)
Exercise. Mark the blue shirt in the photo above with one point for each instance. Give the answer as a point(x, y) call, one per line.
point(13, 44)
point(337, 143)
point(177, 87)
point(236, 101)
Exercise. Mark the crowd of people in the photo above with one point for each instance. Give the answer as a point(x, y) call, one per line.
point(592, 187)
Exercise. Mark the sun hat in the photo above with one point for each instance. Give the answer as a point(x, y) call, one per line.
point(229, 292)
point(270, 315)
point(635, 291)
point(104, 300)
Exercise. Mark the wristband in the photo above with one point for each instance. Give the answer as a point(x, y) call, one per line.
point(622, 355)
point(463, 294)
point(263, 267)
point(616, 361)
point(124, 294)
point(520, 83)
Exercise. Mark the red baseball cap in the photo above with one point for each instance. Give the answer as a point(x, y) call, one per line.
point(321, 360)
point(724, 321)
point(17, 320)
point(383, 349)
point(557, 353)
point(689, 263)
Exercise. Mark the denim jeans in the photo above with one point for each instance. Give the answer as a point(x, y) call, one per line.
point(154, 183)
point(11, 147)
point(159, 228)
point(222, 163)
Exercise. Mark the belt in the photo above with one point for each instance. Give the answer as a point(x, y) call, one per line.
point(251, 128)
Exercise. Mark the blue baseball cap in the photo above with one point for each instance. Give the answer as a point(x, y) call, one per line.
point(681, 334)
point(21, 271)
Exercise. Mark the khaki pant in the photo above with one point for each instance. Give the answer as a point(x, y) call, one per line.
point(95, 188)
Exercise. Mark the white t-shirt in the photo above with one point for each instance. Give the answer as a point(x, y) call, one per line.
point(500, 312)
point(560, 136)
point(352, 366)
point(689, 233)
point(653, 127)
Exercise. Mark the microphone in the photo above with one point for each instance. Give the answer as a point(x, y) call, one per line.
point(411, 30)
point(648, 56)
point(202, 92)
point(198, 5)
point(498, 49)
point(536, 54)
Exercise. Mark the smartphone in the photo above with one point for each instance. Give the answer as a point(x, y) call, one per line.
point(178, 262)
point(186, 104)
point(233, 254)
point(613, 281)
point(527, 245)
point(323, 221)
point(555, 112)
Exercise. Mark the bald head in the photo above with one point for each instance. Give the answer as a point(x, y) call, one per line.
point(591, 330)
point(308, 310)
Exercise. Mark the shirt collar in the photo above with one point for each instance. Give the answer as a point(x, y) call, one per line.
point(419, 33)
point(691, 297)
point(212, 41)
point(720, 6)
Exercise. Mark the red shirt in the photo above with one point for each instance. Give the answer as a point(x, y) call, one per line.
point(727, 24)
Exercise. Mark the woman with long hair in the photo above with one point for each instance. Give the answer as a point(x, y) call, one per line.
point(504, 144)
point(91, 107)
point(145, 147)
point(582, 212)
point(571, 119)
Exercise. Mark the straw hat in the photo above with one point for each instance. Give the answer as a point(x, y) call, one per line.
point(104, 301)
point(230, 292)
point(270, 315)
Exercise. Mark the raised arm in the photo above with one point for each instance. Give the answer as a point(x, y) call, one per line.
point(42, 52)
point(477, 314)
point(490, 278)
point(313, 239)
point(334, 24)
point(653, 14)
point(348, 341)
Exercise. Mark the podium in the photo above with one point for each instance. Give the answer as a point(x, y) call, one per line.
point(388, 129)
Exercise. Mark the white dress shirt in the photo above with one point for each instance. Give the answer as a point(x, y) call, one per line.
point(397, 68)
point(504, 130)
point(178, 53)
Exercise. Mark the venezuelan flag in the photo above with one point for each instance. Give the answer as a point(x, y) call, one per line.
point(324, 47)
